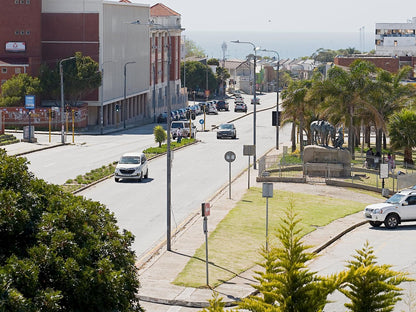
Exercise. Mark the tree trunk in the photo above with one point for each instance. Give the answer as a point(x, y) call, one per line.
point(379, 134)
point(408, 156)
point(293, 135)
point(384, 141)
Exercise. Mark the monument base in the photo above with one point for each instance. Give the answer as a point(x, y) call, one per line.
point(326, 161)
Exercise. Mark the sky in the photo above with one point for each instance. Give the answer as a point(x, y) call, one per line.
point(290, 15)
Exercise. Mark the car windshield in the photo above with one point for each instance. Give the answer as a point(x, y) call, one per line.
point(130, 160)
point(226, 126)
point(176, 125)
point(395, 199)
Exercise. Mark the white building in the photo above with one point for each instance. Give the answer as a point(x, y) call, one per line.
point(396, 39)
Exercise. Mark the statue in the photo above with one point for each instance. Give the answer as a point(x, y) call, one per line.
point(339, 141)
point(321, 131)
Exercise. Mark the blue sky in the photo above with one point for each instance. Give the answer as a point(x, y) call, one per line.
point(290, 16)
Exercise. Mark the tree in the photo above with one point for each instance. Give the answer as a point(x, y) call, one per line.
point(213, 61)
point(402, 127)
point(160, 135)
point(215, 304)
point(60, 252)
point(196, 76)
point(371, 287)
point(193, 50)
point(81, 76)
point(16, 88)
point(286, 284)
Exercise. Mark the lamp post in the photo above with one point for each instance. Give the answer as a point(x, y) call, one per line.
point(125, 96)
point(277, 96)
point(102, 98)
point(168, 142)
point(255, 98)
point(61, 72)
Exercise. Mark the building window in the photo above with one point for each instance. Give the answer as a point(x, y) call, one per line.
point(22, 1)
point(16, 1)
point(4, 70)
point(16, 32)
point(27, 1)
point(395, 43)
point(17, 70)
point(27, 32)
point(3, 81)
point(22, 32)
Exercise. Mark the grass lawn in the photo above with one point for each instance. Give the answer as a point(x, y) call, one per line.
point(235, 243)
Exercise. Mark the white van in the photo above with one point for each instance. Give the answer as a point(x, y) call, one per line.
point(184, 126)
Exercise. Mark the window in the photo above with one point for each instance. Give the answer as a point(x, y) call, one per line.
point(22, 32)
point(4, 70)
point(395, 43)
point(27, 1)
point(17, 70)
point(27, 32)
point(16, 1)
point(16, 32)
point(22, 1)
point(3, 81)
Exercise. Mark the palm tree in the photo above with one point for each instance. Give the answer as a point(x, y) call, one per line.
point(345, 92)
point(402, 127)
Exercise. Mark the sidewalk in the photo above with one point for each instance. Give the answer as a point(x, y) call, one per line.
point(158, 294)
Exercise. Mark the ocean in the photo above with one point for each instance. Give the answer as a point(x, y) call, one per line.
point(288, 45)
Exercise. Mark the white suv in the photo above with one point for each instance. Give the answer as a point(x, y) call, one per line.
point(132, 166)
point(401, 207)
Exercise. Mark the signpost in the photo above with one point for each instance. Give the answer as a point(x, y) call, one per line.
point(206, 207)
point(267, 192)
point(384, 173)
point(229, 157)
point(249, 150)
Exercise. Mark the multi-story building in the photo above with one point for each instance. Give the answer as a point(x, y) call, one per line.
point(132, 56)
point(396, 39)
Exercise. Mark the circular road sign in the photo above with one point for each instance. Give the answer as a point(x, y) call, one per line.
point(229, 156)
point(201, 121)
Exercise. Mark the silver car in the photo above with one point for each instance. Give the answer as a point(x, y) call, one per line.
point(132, 166)
point(227, 130)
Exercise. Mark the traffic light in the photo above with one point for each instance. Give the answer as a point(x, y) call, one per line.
point(193, 115)
point(53, 114)
point(117, 108)
point(275, 121)
point(188, 114)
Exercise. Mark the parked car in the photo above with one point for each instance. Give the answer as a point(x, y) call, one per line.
point(222, 105)
point(240, 107)
point(401, 207)
point(132, 166)
point(162, 117)
point(184, 126)
point(227, 130)
point(257, 101)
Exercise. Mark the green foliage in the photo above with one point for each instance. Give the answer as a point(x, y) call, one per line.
point(215, 304)
point(371, 287)
point(196, 76)
point(213, 61)
point(16, 88)
point(402, 127)
point(160, 135)
point(59, 252)
point(286, 284)
point(81, 76)
point(192, 49)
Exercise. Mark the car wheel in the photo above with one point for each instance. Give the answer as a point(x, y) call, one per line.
point(375, 223)
point(392, 221)
point(235, 111)
point(147, 174)
point(116, 179)
point(140, 178)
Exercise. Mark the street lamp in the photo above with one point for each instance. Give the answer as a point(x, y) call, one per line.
point(61, 72)
point(125, 99)
point(277, 96)
point(255, 98)
point(168, 147)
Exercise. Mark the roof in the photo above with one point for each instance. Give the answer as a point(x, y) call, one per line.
point(5, 61)
point(125, 1)
point(160, 9)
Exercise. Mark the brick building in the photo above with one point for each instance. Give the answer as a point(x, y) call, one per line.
point(35, 32)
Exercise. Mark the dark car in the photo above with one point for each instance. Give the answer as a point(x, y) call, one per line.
point(227, 130)
point(223, 105)
point(163, 117)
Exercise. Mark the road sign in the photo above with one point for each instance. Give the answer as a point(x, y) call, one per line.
point(206, 207)
point(249, 150)
point(30, 102)
point(201, 121)
point(267, 189)
point(229, 156)
point(384, 171)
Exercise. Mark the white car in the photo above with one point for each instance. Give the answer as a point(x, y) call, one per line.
point(212, 109)
point(401, 207)
point(132, 166)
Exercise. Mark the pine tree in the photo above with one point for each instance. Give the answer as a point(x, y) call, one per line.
point(215, 304)
point(286, 283)
point(371, 287)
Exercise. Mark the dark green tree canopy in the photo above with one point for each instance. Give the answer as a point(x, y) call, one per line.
point(196, 76)
point(60, 252)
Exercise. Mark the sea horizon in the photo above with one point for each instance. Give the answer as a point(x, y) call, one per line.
point(290, 45)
